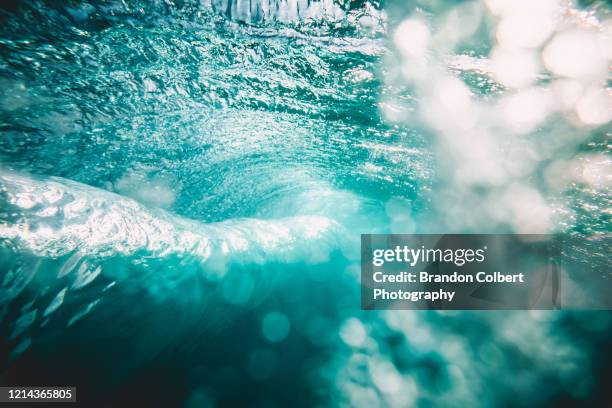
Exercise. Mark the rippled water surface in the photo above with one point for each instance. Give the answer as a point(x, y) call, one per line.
point(183, 186)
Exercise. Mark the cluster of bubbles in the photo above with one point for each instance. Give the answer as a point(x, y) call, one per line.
point(510, 151)
point(515, 97)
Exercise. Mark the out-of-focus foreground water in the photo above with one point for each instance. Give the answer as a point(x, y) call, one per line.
point(183, 186)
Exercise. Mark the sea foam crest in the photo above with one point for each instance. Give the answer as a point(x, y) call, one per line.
point(278, 10)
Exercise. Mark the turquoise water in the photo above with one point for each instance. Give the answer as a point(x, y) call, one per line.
point(182, 190)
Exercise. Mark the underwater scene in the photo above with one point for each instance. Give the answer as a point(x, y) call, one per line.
point(184, 185)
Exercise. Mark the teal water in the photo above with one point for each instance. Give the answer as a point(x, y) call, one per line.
point(182, 191)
